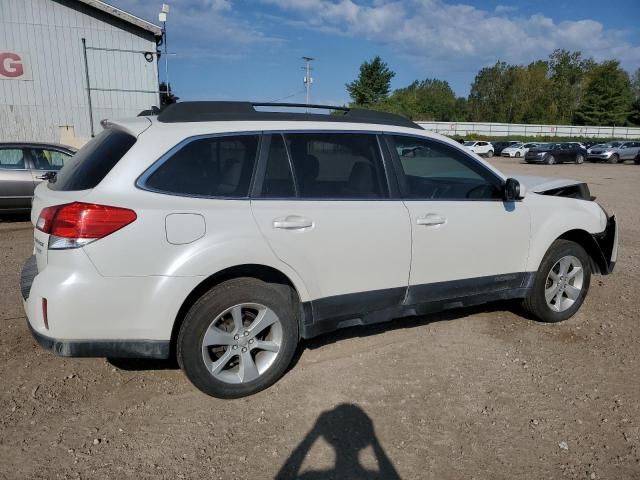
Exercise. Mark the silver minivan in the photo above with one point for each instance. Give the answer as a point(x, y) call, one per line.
point(23, 166)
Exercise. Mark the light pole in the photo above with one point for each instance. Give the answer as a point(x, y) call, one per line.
point(162, 17)
point(307, 78)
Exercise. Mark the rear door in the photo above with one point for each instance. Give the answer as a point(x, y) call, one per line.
point(322, 202)
point(16, 184)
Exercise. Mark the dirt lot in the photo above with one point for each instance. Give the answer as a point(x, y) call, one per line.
point(480, 393)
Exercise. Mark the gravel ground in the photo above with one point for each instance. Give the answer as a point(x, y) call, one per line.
point(476, 393)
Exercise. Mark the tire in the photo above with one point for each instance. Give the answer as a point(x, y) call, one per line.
point(551, 160)
point(570, 299)
point(614, 158)
point(637, 159)
point(517, 154)
point(490, 154)
point(579, 159)
point(219, 307)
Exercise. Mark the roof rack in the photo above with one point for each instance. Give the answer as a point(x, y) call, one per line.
point(212, 111)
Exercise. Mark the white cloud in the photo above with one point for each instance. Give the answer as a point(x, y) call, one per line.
point(433, 31)
point(201, 28)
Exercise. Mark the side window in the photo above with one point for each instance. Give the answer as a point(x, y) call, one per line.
point(48, 159)
point(208, 167)
point(437, 171)
point(337, 165)
point(278, 181)
point(12, 158)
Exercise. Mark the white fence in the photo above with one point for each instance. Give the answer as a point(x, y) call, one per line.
point(516, 129)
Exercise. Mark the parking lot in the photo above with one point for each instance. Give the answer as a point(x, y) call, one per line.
point(476, 393)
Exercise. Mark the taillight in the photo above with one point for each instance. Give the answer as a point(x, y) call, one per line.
point(75, 224)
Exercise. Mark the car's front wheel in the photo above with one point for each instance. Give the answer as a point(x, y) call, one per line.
point(561, 283)
point(579, 158)
point(551, 160)
point(517, 154)
point(614, 158)
point(238, 338)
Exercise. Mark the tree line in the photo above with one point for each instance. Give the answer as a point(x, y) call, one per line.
point(567, 88)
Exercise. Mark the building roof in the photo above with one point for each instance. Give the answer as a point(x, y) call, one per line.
point(125, 16)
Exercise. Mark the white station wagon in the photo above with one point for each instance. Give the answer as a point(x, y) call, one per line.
point(224, 234)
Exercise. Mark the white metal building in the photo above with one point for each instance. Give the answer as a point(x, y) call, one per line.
point(52, 89)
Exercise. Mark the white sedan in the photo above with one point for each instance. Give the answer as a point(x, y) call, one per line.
point(517, 150)
point(481, 148)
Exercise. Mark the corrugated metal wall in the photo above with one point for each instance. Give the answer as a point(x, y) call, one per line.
point(49, 34)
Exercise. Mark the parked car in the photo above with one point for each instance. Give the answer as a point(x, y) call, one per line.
point(517, 150)
point(25, 165)
point(551, 153)
point(613, 152)
point(481, 148)
point(500, 146)
point(226, 234)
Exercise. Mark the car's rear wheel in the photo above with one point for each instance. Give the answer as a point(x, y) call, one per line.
point(551, 160)
point(561, 283)
point(579, 158)
point(614, 158)
point(490, 154)
point(238, 338)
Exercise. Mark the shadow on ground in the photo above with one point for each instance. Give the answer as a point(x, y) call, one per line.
point(349, 431)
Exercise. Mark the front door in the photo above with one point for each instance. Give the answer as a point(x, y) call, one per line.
point(16, 184)
point(466, 240)
point(46, 162)
point(322, 202)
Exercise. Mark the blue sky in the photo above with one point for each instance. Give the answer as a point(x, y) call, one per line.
point(250, 50)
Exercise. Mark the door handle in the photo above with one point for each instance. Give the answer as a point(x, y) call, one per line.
point(292, 222)
point(431, 219)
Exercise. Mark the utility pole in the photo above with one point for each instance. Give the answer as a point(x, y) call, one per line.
point(162, 16)
point(307, 78)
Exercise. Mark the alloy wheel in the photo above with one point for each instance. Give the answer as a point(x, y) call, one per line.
point(564, 283)
point(242, 343)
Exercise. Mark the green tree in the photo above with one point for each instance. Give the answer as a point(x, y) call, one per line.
point(568, 71)
point(429, 99)
point(634, 117)
point(487, 96)
point(372, 85)
point(607, 97)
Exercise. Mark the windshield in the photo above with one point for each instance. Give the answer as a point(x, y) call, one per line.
point(608, 145)
point(516, 145)
point(530, 145)
point(469, 144)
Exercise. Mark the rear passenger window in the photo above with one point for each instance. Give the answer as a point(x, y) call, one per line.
point(93, 162)
point(12, 159)
point(208, 167)
point(278, 182)
point(337, 165)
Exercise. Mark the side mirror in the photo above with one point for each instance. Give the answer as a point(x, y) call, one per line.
point(513, 190)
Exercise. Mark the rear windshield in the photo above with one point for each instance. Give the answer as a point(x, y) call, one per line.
point(93, 162)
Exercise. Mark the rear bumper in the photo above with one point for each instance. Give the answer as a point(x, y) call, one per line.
point(94, 316)
point(103, 348)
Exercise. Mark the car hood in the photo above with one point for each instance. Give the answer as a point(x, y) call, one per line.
point(542, 184)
